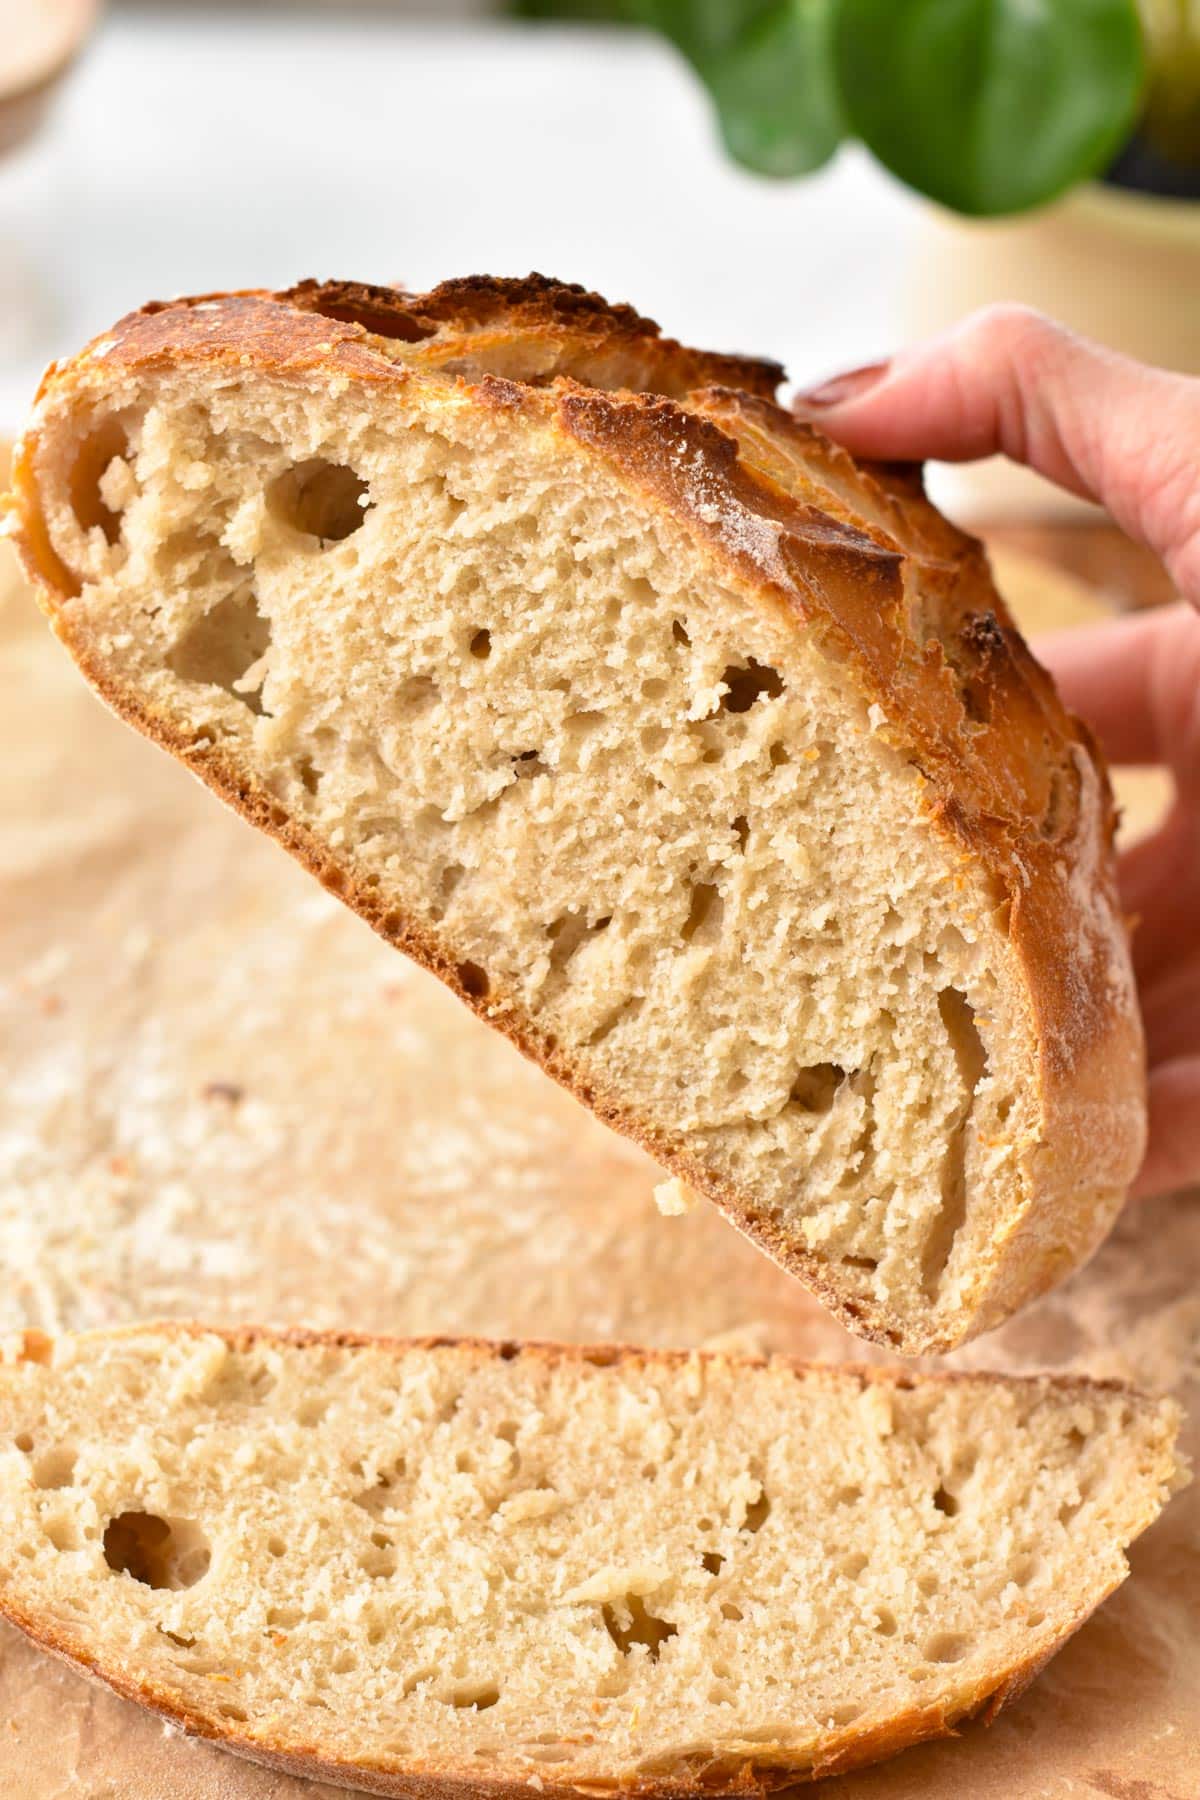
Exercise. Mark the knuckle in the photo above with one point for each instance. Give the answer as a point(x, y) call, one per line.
point(1010, 329)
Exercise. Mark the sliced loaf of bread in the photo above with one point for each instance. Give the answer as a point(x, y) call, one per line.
point(441, 1567)
point(706, 764)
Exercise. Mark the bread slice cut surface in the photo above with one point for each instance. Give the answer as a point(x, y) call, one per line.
point(434, 1566)
point(704, 763)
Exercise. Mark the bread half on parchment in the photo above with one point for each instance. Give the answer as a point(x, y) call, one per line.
point(466, 1568)
point(703, 762)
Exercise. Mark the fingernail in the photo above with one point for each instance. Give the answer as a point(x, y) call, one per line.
point(850, 386)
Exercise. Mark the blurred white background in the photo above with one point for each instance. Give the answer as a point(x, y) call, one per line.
point(196, 148)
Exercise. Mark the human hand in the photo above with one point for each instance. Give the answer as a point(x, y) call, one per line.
point(1009, 380)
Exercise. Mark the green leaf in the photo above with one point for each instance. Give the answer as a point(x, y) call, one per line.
point(600, 11)
point(775, 92)
point(990, 106)
point(769, 68)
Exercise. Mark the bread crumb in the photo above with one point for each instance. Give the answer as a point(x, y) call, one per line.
point(674, 1198)
point(612, 1583)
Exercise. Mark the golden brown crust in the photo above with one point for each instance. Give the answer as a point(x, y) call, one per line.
point(685, 1778)
point(477, 313)
point(901, 600)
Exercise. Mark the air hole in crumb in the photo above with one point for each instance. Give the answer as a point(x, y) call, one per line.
point(321, 499)
point(679, 633)
point(746, 685)
point(867, 1264)
point(623, 1014)
point(481, 644)
point(741, 831)
point(311, 1412)
point(757, 1513)
point(704, 914)
point(568, 932)
point(1034, 1619)
point(712, 1562)
point(945, 1647)
point(53, 1469)
point(416, 694)
point(846, 1496)
point(378, 1562)
point(224, 647)
point(885, 1621)
point(642, 1627)
point(380, 1498)
point(450, 877)
point(160, 1553)
point(654, 689)
point(846, 1713)
point(815, 1088)
point(779, 755)
point(310, 775)
point(98, 450)
point(184, 1643)
point(649, 1471)
point(478, 1697)
point(276, 1546)
point(731, 1612)
point(928, 1585)
point(63, 1533)
point(945, 1502)
point(228, 1710)
point(23, 1441)
point(970, 1061)
point(473, 980)
point(507, 1431)
point(853, 1565)
point(582, 724)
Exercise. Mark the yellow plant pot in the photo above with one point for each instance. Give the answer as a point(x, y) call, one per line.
point(1120, 267)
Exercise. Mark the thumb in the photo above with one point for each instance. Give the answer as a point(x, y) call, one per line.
point(1007, 379)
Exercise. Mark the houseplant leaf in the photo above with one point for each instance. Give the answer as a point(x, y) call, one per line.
point(768, 66)
point(990, 106)
point(775, 94)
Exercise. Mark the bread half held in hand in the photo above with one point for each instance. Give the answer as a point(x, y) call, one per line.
point(466, 1568)
point(703, 762)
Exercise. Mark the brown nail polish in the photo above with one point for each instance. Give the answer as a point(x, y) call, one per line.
point(841, 388)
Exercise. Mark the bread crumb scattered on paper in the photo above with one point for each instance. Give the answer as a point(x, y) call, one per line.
point(675, 1197)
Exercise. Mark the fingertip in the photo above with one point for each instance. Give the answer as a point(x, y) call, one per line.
point(837, 390)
